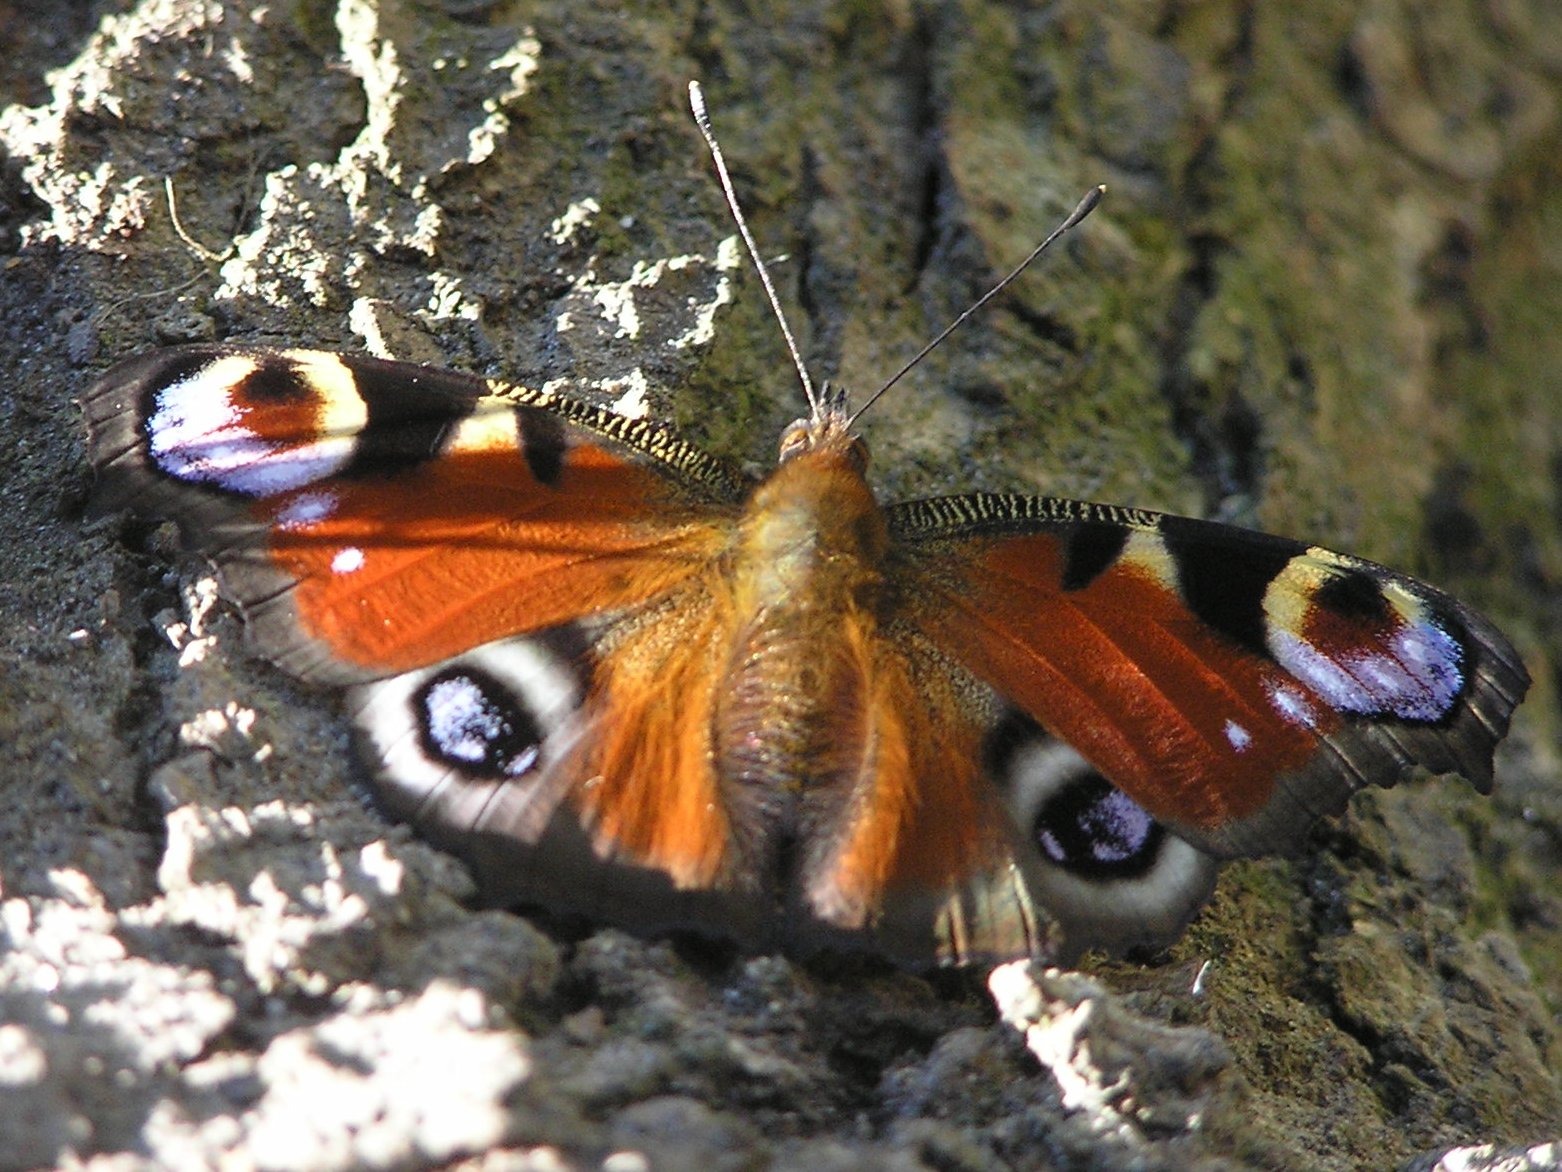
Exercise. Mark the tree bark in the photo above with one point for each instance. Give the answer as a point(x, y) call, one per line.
point(1321, 298)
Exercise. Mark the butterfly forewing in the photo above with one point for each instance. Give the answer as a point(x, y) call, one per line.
point(373, 516)
point(503, 575)
point(1235, 685)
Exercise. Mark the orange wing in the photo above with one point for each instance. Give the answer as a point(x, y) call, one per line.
point(1234, 685)
point(912, 847)
point(373, 517)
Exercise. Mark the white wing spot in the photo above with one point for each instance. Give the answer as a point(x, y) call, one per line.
point(347, 560)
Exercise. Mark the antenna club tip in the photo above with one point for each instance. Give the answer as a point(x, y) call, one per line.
point(1083, 209)
point(696, 99)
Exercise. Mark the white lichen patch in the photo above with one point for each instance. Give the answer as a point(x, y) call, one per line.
point(616, 299)
point(729, 257)
point(188, 634)
point(283, 261)
point(517, 64)
point(1120, 1078)
point(1058, 1036)
point(632, 389)
point(443, 1066)
point(383, 1082)
point(580, 213)
point(228, 731)
point(448, 299)
point(321, 227)
point(92, 206)
point(612, 312)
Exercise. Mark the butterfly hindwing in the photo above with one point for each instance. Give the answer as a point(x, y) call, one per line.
point(529, 759)
point(496, 756)
point(1233, 684)
point(962, 832)
point(1005, 841)
point(906, 842)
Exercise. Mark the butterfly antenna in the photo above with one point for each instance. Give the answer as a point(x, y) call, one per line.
point(702, 120)
point(1083, 209)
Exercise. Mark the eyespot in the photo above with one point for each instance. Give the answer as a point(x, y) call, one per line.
point(474, 724)
point(1094, 830)
point(1111, 875)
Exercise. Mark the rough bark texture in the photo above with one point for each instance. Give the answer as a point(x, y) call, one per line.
point(1323, 297)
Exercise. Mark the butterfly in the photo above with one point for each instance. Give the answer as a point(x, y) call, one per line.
point(622, 678)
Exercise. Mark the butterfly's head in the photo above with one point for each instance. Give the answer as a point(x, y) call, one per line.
point(827, 429)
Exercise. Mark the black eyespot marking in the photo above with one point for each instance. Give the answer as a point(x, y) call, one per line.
point(471, 722)
point(1223, 582)
point(1110, 875)
point(542, 444)
point(1354, 595)
point(1091, 548)
point(1096, 831)
point(275, 382)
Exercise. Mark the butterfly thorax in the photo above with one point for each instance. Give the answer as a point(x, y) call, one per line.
point(806, 577)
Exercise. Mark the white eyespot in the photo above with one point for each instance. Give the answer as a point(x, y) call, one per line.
point(1433, 667)
point(1111, 829)
point(1102, 866)
point(486, 718)
point(466, 724)
point(347, 560)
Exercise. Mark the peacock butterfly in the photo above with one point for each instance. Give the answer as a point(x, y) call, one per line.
point(620, 677)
